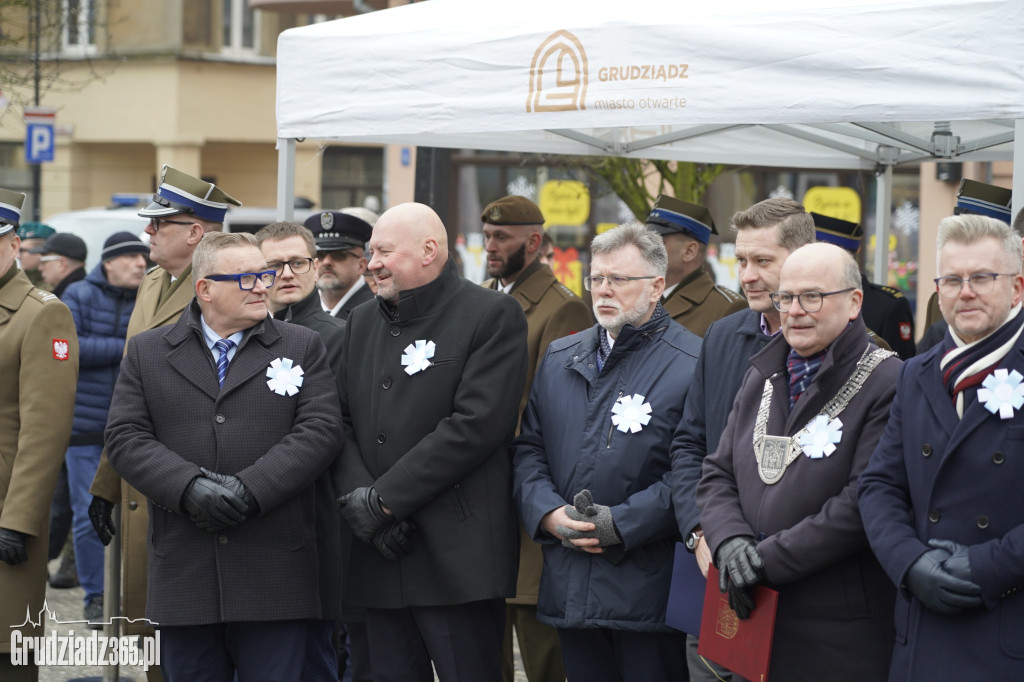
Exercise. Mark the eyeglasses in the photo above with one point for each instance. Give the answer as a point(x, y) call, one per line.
point(336, 254)
point(614, 281)
point(298, 266)
point(49, 259)
point(979, 282)
point(247, 280)
point(810, 301)
point(155, 223)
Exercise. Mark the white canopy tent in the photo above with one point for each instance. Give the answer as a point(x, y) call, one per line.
point(860, 84)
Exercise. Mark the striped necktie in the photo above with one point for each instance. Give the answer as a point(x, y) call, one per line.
point(223, 347)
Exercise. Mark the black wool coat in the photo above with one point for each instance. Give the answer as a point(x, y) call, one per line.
point(435, 443)
point(169, 417)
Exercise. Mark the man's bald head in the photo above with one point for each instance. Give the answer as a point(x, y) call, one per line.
point(409, 247)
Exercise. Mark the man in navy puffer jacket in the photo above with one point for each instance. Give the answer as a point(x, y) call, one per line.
point(101, 305)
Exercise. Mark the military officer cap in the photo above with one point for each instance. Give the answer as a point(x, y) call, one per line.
point(336, 231)
point(842, 233)
point(672, 216)
point(64, 244)
point(10, 210)
point(512, 210)
point(181, 193)
point(982, 199)
point(35, 231)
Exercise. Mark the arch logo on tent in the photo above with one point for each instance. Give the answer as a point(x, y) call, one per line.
point(558, 75)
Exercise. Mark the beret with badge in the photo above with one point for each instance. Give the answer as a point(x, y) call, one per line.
point(35, 231)
point(512, 210)
point(672, 216)
point(337, 231)
point(181, 193)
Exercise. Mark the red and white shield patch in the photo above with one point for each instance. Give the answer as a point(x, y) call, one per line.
point(905, 331)
point(60, 349)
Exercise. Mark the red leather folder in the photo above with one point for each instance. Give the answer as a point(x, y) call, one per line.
point(742, 646)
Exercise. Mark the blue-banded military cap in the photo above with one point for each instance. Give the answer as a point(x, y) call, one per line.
point(181, 193)
point(10, 210)
point(842, 233)
point(983, 199)
point(33, 230)
point(671, 215)
point(336, 231)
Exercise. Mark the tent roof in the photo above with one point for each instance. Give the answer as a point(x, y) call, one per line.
point(800, 83)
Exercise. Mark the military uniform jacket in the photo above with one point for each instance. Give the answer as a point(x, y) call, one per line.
point(149, 313)
point(887, 313)
point(169, 417)
point(435, 443)
point(936, 476)
point(552, 311)
point(834, 620)
point(39, 369)
point(697, 302)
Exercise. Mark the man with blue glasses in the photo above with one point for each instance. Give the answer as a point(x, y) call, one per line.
point(183, 210)
point(224, 421)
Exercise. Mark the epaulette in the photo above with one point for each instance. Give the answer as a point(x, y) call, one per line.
point(43, 296)
point(892, 291)
point(729, 294)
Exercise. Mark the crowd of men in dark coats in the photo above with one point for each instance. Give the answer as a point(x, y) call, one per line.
point(298, 468)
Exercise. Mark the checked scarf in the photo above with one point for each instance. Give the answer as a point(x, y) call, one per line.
point(801, 373)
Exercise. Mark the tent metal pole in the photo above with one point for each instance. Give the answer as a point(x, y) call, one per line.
point(1018, 168)
point(883, 213)
point(285, 178)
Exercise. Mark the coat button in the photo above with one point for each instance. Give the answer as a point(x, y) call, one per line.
point(998, 457)
point(983, 522)
point(395, 331)
point(386, 383)
point(381, 438)
point(926, 449)
point(220, 419)
point(133, 505)
point(222, 539)
point(934, 516)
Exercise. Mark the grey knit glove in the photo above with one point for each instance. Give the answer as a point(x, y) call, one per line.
point(584, 509)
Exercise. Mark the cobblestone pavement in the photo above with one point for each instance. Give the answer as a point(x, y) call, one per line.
point(67, 605)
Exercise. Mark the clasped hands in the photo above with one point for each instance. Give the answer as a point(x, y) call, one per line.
point(373, 524)
point(215, 502)
point(583, 525)
point(941, 578)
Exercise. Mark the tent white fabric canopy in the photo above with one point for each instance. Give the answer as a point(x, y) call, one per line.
point(792, 83)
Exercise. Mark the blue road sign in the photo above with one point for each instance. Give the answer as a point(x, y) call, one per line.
point(39, 142)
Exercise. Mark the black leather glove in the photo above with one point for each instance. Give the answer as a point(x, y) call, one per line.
point(12, 547)
point(211, 506)
point(395, 541)
point(740, 600)
point(363, 513)
point(937, 588)
point(236, 486)
point(584, 509)
point(958, 564)
point(101, 516)
point(739, 563)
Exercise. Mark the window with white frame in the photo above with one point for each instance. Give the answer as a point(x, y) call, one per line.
point(78, 32)
point(241, 27)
